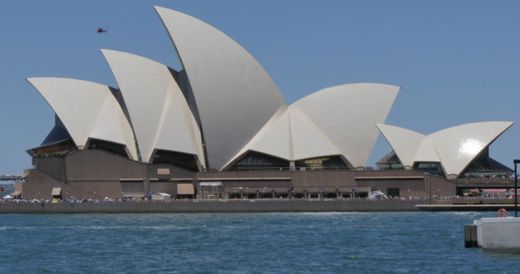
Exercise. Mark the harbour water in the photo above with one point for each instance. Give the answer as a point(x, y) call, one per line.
point(400, 242)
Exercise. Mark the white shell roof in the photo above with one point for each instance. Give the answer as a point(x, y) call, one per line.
point(458, 146)
point(292, 136)
point(88, 110)
point(347, 114)
point(235, 96)
point(274, 138)
point(308, 140)
point(159, 112)
point(404, 142)
point(317, 124)
point(453, 147)
point(427, 152)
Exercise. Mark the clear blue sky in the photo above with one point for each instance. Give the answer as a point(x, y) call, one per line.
point(456, 61)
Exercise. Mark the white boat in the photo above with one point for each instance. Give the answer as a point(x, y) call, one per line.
point(161, 196)
point(377, 195)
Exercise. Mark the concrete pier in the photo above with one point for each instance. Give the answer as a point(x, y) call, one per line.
point(498, 233)
point(470, 236)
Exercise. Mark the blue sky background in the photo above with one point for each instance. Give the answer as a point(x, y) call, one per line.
point(456, 61)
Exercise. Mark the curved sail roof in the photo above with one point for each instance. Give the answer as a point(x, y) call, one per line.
point(404, 142)
point(347, 114)
point(453, 147)
point(273, 139)
point(159, 112)
point(292, 136)
point(427, 152)
point(335, 121)
point(234, 95)
point(87, 110)
point(308, 140)
point(458, 146)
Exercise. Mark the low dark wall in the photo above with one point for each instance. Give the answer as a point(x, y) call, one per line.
point(41, 185)
point(212, 206)
point(97, 174)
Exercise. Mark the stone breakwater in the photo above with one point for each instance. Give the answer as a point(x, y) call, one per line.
point(208, 206)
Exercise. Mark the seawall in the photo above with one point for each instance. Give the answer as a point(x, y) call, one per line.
point(212, 206)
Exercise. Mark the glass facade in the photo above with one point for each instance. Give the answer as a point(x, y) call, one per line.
point(484, 166)
point(325, 162)
point(178, 159)
point(390, 161)
point(434, 168)
point(107, 146)
point(253, 160)
point(57, 149)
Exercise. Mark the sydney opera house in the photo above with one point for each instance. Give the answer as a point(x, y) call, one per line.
point(220, 127)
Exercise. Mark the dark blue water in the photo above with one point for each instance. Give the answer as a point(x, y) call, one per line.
point(245, 243)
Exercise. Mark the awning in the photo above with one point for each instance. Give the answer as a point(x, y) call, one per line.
point(56, 191)
point(185, 189)
point(163, 171)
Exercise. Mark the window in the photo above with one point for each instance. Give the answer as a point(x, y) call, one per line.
point(179, 159)
point(326, 162)
point(253, 160)
point(107, 146)
point(430, 167)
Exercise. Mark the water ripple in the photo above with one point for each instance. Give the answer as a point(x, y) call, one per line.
point(407, 242)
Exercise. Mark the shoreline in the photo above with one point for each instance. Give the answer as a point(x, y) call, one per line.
point(244, 206)
point(212, 206)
